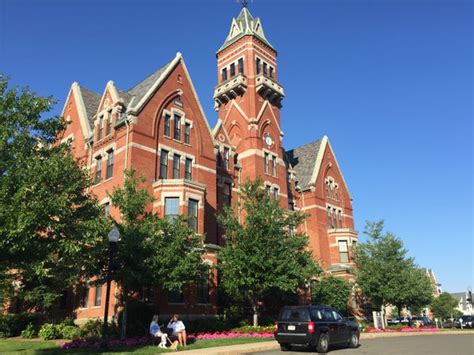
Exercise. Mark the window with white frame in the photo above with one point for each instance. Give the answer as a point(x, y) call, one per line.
point(98, 296)
point(177, 128)
point(193, 214)
point(166, 130)
point(98, 169)
point(188, 169)
point(163, 164)
point(276, 193)
point(343, 251)
point(266, 161)
point(274, 165)
point(99, 128)
point(176, 166)
point(110, 164)
point(187, 133)
point(171, 207)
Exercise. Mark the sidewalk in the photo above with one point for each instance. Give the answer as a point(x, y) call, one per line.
point(273, 345)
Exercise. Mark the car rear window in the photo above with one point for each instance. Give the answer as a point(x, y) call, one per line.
point(299, 314)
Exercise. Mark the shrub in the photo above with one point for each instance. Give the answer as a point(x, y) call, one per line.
point(49, 331)
point(70, 332)
point(12, 324)
point(92, 329)
point(29, 332)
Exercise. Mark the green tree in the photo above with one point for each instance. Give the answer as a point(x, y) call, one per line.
point(263, 251)
point(386, 275)
point(50, 226)
point(333, 292)
point(444, 306)
point(152, 251)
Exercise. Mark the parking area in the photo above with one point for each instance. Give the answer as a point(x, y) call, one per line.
point(443, 344)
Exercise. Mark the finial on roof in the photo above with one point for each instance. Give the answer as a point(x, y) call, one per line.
point(245, 3)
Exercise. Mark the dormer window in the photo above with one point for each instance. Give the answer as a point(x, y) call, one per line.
point(177, 128)
point(166, 130)
point(108, 123)
point(99, 129)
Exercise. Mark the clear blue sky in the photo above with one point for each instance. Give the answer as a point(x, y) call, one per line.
point(389, 81)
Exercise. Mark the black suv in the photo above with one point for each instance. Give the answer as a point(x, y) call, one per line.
point(314, 326)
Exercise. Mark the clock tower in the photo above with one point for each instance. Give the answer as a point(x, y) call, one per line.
point(248, 99)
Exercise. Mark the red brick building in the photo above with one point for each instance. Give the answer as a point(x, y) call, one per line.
point(159, 128)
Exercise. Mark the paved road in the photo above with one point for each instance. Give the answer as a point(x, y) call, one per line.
point(462, 344)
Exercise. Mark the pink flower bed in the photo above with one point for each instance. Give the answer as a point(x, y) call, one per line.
point(118, 343)
point(229, 335)
point(403, 330)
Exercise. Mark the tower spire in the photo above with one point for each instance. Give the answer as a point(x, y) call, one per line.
point(244, 3)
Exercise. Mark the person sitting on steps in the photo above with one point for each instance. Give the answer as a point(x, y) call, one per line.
point(178, 328)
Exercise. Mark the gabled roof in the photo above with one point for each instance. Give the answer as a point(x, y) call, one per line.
point(245, 25)
point(303, 160)
point(142, 88)
point(91, 103)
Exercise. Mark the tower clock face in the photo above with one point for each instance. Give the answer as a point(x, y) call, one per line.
point(268, 141)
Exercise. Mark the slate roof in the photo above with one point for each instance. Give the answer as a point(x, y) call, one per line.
point(303, 161)
point(140, 89)
point(248, 26)
point(91, 103)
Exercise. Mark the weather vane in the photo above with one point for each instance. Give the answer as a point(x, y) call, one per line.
point(244, 3)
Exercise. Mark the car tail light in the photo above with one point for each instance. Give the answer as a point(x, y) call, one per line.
point(310, 327)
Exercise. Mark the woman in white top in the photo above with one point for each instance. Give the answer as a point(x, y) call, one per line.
point(179, 329)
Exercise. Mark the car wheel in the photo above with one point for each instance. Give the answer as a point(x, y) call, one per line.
point(285, 347)
point(353, 340)
point(323, 344)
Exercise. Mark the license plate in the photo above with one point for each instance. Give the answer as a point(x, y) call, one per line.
point(291, 327)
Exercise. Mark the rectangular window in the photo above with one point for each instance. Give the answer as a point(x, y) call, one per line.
point(274, 165)
point(98, 170)
point(266, 157)
point(271, 72)
point(107, 209)
point(84, 302)
point(110, 164)
point(203, 292)
point(176, 296)
point(98, 296)
point(334, 218)
point(267, 189)
point(265, 68)
point(276, 192)
point(224, 74)
point(187, 133)
point(343, 251)
point(176, 166)
point(171, 207)
point(258, 65)
point(227, 194)
point(232, 70)
point(339, 217)
point(193, 215)
point(108, 126)
point(177, 128)
point(99, 129)
point(241, 65)
point(167, 126)
point(226, 158)
point(188, 169)
point(163, 164)
point(329, 218)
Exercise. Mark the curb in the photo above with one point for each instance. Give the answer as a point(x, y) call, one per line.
point(364, 336)
point(236, 349)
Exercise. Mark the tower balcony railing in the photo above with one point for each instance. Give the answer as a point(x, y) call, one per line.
point(269, 89)
point(230, 89)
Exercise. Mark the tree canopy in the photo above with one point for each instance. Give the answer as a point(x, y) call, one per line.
point(153, 251)
point(386, 275)
point(263, 251)
point(332, 291)
point(444, 306)
point(50, 226)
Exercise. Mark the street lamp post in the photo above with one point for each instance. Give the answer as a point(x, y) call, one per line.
point(114, 236)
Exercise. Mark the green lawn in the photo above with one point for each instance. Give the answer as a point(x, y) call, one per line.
point(36, 346)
